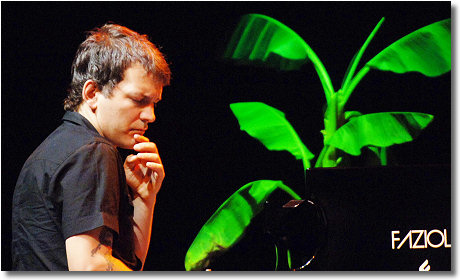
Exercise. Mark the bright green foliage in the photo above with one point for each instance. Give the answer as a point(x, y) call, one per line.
point(263, 40)
point(227, 225)
point(266, 40)
point(270, 127)
point(427, 50)
point(380, 130)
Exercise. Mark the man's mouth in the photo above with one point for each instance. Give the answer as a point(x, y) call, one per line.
point(137, 131)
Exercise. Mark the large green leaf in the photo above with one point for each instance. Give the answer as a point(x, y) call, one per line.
point(262, 40)
point(227, 225)
point(270, 127)
point(380, 130)
point(427, 50)
point(259, 38)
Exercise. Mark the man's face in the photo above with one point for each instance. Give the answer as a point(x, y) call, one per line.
point(130, 107)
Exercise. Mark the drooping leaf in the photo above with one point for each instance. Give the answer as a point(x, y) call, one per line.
point(380, 130)
point(262, 40)
point(228, 224)
point(426, 50)
point(269, 126)
point(259, 38)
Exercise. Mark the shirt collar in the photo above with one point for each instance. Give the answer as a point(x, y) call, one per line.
point(78, 119)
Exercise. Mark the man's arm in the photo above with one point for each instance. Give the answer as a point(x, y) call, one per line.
point(142, 226)
point(92, 251)
point(144, 174)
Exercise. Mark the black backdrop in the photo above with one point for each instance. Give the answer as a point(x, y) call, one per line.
point(205, 154)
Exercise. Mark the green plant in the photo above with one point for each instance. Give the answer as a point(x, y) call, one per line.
point(259, 39)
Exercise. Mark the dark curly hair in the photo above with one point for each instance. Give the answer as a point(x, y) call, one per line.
point(104, 56)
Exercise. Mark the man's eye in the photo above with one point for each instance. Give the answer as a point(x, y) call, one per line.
point(139, 101)
point(144, 101)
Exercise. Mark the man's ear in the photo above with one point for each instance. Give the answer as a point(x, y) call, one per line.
point(89, 93)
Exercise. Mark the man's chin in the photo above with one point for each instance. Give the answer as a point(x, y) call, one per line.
point(128, 144)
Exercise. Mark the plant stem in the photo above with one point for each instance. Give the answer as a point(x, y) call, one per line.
point(330, 127)
point(353, 84)
point(336, 103)
point(321, 156)
point(360, 54)
point(383, 156)
point(322, 73)
point(324, 159)
point(331, 116)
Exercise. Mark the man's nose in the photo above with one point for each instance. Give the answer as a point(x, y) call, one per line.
point(148, 114)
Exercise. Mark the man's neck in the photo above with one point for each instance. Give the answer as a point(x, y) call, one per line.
point(88, 114)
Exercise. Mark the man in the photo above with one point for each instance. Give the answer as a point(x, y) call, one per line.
point(76, 205)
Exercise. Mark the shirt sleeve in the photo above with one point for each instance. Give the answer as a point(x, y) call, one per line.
point(90, 189)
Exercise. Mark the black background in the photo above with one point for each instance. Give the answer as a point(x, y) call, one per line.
point(206, 156)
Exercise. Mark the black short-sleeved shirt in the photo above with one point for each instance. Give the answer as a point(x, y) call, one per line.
point(72, 183)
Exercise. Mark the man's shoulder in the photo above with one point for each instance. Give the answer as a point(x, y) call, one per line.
point(66, 140)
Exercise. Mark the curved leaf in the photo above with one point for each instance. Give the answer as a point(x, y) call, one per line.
point(380, 130)
point(264, 39)
point(269, 126)
point(259, 39)
point(227, 225)
point(427, 50)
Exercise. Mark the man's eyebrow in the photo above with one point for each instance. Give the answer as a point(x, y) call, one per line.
point(145, 96)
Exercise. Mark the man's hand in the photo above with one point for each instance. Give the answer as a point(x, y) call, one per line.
point(144, 171)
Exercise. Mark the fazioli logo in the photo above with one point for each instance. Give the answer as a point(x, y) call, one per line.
point(420, 239)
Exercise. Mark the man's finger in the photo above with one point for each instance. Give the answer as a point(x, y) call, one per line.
point(149, 157)
point(132, 161)
point(156, 167)
point(146, 147)
point(141, 138)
